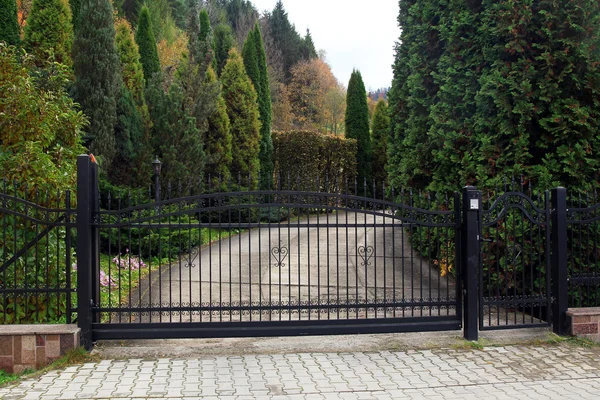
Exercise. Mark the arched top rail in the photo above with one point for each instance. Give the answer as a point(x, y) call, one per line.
point(515, 200)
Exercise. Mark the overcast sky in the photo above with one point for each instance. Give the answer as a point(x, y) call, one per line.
point(354, 33)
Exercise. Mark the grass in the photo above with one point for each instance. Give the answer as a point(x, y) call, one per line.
point(72, 357)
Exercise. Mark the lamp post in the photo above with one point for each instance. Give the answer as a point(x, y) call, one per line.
point(156, 166)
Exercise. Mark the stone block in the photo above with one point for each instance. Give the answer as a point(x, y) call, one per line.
point(582, 319)
point(28, 342)
point(40, 340)
point(67, 342)
point(6, 346)
point(40, 357)
point(6, 364)
point(585, 329)
point(18, 368)
point(27, 357)
point(17, 349)
point(52, 349)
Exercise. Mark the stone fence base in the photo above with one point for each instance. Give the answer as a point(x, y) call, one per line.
point(585, 322)
point(34, 346)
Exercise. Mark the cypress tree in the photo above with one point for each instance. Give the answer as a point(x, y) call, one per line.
point(144, 37)
point(223, 43)
point(97, 75)
point(242, 109)
point(266, 110)
point(357, 124)
point(380, 127)
point(217, 142)
point(75, 8)
point(207, 39)
point(176, 140)
point(9, 25)
point(128, 133)
point(49, 28)
point(133, 79)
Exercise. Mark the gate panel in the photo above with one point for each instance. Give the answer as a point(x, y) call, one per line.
point(515, 262)
point(275, 262)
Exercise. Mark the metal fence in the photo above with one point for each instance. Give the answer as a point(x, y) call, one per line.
point(301, 256)
point(37, 261)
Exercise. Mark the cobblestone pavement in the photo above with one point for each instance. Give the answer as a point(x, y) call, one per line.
point(559, 371)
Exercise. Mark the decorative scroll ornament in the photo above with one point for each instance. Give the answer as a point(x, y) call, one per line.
point(365, 253)
point(279, 253)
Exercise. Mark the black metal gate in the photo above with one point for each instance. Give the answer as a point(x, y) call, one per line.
point(312, 257)
point(514, 279)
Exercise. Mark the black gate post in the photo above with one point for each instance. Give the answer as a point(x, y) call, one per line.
point(84, 249)
point(470, 259)
point(558, 244)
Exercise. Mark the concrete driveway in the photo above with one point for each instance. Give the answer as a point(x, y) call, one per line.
point(292, 270)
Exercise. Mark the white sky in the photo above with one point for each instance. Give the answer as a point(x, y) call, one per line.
point(354, 33)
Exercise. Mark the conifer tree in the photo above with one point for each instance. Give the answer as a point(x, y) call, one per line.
point(308, 47)
point(380, 127)
point(75, 7)
point(357, 125)
point(223, 43)
point(217, 142)
point(49, 28)
point(133, 79)
point(255, 61)
point(176, 140)
point(9, 25)
point(207, 38)
point(242, 109)
point(97, 75)
point(144, 37)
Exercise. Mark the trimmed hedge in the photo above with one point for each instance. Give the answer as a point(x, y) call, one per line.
point(307, 155)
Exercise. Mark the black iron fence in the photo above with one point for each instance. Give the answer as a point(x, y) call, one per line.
point(301, 256)
point(37, 260)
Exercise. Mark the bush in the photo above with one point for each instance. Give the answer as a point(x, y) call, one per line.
point(309, 156)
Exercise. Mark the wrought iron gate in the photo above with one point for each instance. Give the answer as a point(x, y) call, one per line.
point(313, 257)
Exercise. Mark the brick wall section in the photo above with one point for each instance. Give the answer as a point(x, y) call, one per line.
point(585, 322)
point(34, 346)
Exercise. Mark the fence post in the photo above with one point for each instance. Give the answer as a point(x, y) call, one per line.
point(84, 250)
point(95, 237)
point(471, 202)
point(558, 244)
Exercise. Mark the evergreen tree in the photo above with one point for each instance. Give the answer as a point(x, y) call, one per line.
point(130, 9)
point(49, 28)
point(129, 131)
point(217, 142)
point(265, 109)
point(75, 8)
point(131, 68)
point(146, 42)
point(357, 125)
point(207, 38)
point(380, 127)
point(242, 109)
point(223, 43)
point(286, 38)
point(175, 138)
point(308, 47)
point(133, 79)
point(97, 75)
point(9, 25)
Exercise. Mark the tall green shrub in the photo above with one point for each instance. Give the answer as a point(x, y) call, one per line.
point(217, 142)
point(223, 43)
point(380, 127)
point(49, 28)
point(144, 37)
point(98, 76)
point(242, 109)
point(357, 124)
point(9, 25)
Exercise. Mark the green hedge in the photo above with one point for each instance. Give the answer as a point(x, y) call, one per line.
point(308, 155)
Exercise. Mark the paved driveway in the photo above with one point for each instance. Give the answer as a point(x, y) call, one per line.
point(559, 371)
point(327, 260)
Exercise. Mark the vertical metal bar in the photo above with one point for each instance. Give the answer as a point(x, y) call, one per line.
point(68, 254)
point(471, 252)
point(458, 256)
point(84, 250)
point(559, 260)
point(95, 208)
